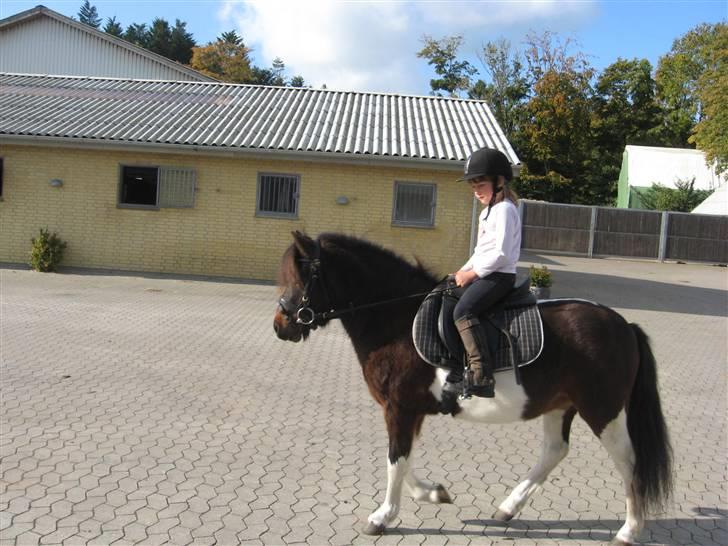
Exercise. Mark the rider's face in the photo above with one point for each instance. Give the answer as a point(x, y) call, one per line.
point(482, 189)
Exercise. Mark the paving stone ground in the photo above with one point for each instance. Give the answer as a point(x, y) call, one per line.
point(153, 410)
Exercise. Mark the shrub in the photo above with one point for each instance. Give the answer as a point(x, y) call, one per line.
point(47, 251)
point(540, 277)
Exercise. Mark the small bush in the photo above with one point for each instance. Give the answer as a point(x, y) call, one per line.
point(47, 251)
point(540, 277)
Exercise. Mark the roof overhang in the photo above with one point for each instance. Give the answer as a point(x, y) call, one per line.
point(284, 155)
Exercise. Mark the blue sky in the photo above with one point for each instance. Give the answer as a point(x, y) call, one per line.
point(371, 45)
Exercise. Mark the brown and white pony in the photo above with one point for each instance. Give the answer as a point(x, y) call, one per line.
point(593, 363)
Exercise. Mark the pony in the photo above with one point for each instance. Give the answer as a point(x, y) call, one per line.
point(593, 363)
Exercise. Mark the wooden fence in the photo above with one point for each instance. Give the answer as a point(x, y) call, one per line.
point(603, 231)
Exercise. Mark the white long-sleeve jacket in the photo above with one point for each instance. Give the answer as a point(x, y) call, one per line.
point(499, 241)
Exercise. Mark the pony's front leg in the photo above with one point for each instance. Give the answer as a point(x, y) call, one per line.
point(401, 427)
point(425, 491)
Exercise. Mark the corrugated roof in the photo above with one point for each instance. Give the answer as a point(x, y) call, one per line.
point(247, 117)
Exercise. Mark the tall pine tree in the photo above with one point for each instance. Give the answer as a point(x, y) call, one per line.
point(88, 15)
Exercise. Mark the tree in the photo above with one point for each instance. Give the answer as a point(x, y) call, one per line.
point(508, 90)
point(442, 55)
point(624, 111)
point(297, 81)
point(711, 132)
point(556, 134)
point(181, 43)
point(677, 76)
point(231, 37)
point(223, 59)
point(89, 15)
point(113, 27)
point(683, 198)
point(159, 38)
point(137, 34)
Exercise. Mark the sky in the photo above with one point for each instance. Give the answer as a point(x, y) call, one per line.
point(372, 45)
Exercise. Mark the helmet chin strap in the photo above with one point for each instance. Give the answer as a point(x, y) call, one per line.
point(496, 190)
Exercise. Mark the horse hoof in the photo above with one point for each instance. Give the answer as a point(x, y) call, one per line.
point(443, 497)
point(373, 529)
point(500, 515)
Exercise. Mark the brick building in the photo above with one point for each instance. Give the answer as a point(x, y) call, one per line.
point(211, 178)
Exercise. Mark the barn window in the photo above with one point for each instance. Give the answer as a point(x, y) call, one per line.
point(157, 187)
point(278, 195)
point(414, 204)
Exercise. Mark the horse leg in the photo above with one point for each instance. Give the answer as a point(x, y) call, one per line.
point(425, 491)
point(402, 428)
point(556, 427)
point(615, 438)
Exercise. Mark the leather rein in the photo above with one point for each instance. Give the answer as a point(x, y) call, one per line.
point(305, 314)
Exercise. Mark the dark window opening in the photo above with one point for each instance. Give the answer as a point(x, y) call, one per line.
point(139, 186)
point(278, 195)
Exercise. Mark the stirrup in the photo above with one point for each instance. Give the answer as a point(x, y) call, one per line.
point(484, 390)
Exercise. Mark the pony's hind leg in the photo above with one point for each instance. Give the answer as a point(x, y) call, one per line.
point(615, 438)
point(556, 427)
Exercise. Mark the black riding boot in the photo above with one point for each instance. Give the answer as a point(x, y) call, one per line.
point(480, 366)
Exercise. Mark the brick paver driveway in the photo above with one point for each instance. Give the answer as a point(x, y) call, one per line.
point(153, 410)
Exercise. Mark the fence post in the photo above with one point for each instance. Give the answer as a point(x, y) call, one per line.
point(592, 229)
point(663, 236)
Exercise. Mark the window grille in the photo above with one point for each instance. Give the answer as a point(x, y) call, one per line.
point(414, 204)
point(176, 187)
point(278, 195)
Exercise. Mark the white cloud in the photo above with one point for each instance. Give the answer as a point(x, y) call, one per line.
point(372, 46)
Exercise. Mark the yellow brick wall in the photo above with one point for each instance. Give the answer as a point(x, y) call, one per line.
point(221, 235)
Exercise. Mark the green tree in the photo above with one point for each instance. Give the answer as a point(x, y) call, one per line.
point(113, 27)
point(137, 34)
point(711, 132)
point(683, 198)
point(677, 77)
point(297, 81)
point(231, 37)
point(159, 38)
point(508, 89)
point(624, 111)
point(181, 43)
point(455, 75)
point(89, 15)
point(224, 60)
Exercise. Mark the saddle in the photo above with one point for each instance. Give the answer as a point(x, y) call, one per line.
point(513, 327)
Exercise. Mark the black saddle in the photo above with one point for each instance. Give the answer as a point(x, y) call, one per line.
point(513, 328)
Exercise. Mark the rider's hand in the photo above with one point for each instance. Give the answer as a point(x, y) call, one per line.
point(464, 278)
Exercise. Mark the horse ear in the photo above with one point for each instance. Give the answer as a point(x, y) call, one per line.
point(303, 243)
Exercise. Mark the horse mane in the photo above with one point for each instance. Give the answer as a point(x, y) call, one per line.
point(396, 271)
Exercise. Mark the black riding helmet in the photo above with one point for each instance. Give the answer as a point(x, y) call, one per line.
point(487, 162)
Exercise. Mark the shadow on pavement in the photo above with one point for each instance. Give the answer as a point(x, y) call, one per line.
point(629, 293)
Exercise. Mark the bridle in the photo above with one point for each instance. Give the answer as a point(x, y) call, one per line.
point(304, 313)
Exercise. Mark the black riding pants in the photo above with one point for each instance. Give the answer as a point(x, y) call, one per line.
point(483, 293)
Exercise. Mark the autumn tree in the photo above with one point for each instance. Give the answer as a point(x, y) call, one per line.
point(455, 75)
point(227, 59)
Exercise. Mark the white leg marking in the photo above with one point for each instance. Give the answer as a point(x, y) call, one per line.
point(389, 509)
point(615, 439)
point(554, 449)
point(507, 406)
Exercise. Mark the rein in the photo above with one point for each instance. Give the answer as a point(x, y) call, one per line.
point(306, 315)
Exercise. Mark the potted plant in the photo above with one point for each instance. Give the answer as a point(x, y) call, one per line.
point(541, 281)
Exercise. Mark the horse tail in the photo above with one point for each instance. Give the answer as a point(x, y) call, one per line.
point(652, 477)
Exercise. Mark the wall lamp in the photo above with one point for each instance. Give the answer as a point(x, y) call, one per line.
point(56, 183)
point(342, 200)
